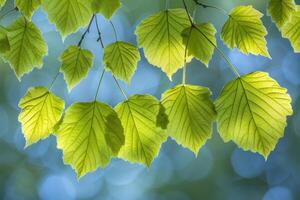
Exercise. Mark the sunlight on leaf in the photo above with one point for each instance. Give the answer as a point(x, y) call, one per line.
point(41, 111)
point(106, 7)
point(143, 138)
point(75, 64)
point(281, 11)
point(252, 112)
point(27, 7)
point(160, 36)
point(68, 16)
point(291, 30)
point(89, 136)
point(121, 59)
point(197, 37)
point(27, 47)
point(245, 31)
point(191, 113)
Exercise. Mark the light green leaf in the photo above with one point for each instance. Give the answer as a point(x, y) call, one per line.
point(4, 42)
point(191, 113)
point(291, 30)
point(27, 7)
point(68, 15)
point(281, 11)
point(41, 111)
point(2, 3)
point(160, 36)
point(143, 139)
point(75, 64)
point(245, 30)
point(27, 47)
point(89, 136)
point(106, 7)
point(252, 112)
point(121, 59)
point(199, 39)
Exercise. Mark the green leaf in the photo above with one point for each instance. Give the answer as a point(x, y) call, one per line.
point(291, 30)
point(199, 39)
point(41, 111)
point(281, 11)
point(2, 3)
point(68, 15)
point(4, 42)
point(191, 113)
point(75, 64)
point(27, 47)
point(245, 30)
point(89, 136)
point(106, 7)
point(121, 59)
point(143, 138)
point(252, 112)
point(160, 36)
point(27, 7)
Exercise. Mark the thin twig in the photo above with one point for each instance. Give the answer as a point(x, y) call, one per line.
point(209, 6)
point(86, 31)
point(98, 87)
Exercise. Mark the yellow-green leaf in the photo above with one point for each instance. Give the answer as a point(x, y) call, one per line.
point(291, 30)
point(252, 112)
point(281, 11)
point(191, 113)
point(41, 111)
point(245, 30)
point(89, 136)
point(4, 42)
point(160, 36)
point(27, 47)
point(27, 7)
point(68, 15)
point(200, 40)
point(106, 7)
point(121, 59)
point(75, 64)
point(2, 3)
point(143, 139)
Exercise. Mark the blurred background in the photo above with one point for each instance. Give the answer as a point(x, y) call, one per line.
point(220, 171)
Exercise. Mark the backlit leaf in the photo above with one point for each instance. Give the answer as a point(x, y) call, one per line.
point(89, 136)
point(27, 47)
point(68, 15)
point(291, 30)
point(75, 64)
point(121, 59)
point(143, 139)
point(106, 7)
point(281, 11)
point(160, 36)
point(27, 7)
point(2, 3)
point(199, 39)
point(252, 112)
point(245, 30)
point(4, 42)
point(191, 113)
point(41, 111)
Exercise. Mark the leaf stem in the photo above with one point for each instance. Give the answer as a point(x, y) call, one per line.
point(114, 28)
point(210, 6)
point(120, 88)
point(211, 42)
point(53, 81)
point(86, 31)
point(99, 84)
point(102, 45)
